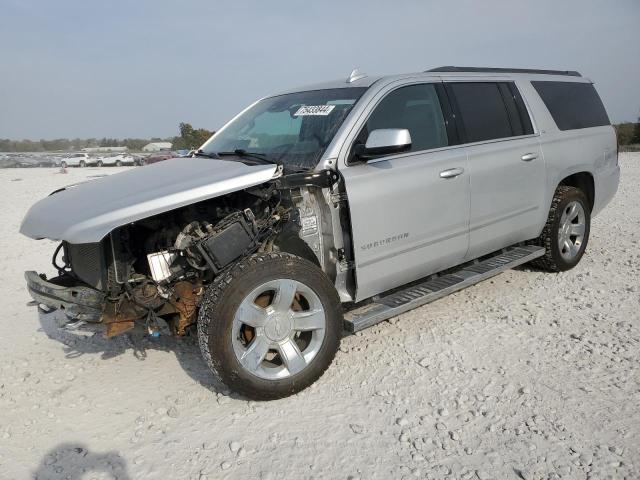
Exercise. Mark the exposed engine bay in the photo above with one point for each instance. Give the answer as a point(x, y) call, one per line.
point(156, 270)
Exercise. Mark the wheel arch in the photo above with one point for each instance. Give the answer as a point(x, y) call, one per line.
point(289, 242)
point(583, 181)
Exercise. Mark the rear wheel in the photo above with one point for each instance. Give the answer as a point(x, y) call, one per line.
point(566, 233)
point(118, 163)
point(270, 326)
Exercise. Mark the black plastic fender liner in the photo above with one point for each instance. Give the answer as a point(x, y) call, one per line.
point(289, 241)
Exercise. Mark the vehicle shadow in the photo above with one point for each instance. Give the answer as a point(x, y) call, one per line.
point(86, 338)
point(529, 268)
point(74, 461)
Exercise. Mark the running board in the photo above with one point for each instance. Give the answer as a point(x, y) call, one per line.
point(393, 304)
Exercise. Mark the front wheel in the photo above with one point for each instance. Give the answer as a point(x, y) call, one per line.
point(63, 164)
point(83, 163)
point(100, 164)
point(270, 326)
point(566, 233)
point(118, 163)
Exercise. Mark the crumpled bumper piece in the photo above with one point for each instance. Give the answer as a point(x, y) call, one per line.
point(76, 301)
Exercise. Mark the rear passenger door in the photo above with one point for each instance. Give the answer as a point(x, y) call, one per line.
point(506, 166)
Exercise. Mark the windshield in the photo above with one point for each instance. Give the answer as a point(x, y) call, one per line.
point(293, 129)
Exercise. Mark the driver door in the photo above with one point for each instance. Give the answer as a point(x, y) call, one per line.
point(409, 211)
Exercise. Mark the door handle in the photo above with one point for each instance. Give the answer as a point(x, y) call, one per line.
point(527, 157)
point(451, 173)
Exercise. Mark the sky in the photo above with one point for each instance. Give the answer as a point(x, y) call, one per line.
point(89, 68)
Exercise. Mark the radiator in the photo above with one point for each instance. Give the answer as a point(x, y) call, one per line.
point(88, 263)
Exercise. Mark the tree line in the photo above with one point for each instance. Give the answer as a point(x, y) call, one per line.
point(188, 139)
point(628, 133)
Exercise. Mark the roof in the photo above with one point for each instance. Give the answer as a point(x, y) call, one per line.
point(439, 72)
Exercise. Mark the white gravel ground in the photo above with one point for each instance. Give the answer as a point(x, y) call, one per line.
point(529, 375)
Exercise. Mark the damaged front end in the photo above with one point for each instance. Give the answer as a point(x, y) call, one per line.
point(140, 246)
point(130, 255)
point(154, 271)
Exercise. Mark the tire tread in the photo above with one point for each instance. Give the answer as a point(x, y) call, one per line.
point(548, 261)
point(215, 292)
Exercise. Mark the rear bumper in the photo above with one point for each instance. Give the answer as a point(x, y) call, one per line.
point(76, 301)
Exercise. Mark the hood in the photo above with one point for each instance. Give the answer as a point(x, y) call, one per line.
point(86, 212)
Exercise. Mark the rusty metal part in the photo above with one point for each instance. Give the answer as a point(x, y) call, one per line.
point(114, 329)
point(120, 316)
point(185, 299)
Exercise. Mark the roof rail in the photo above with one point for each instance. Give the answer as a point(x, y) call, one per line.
point(570, 73)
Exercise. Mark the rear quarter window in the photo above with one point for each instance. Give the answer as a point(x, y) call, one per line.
point(572, 105)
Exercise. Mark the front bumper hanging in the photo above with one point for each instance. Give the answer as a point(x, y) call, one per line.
point(78, 302)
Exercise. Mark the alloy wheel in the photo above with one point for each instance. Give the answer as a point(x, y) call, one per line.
point(571, 230)
point(278, 329)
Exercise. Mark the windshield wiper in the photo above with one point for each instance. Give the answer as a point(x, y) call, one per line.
point(240, 152)
point(200, 153)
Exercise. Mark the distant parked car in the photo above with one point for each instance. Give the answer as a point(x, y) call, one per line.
point(47, 162)
point(116, 160)
point(25, 161)
point(158, 157)
point(77, 160)
point(25, 164)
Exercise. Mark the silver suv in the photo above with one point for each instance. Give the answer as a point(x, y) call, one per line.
point(330, 208)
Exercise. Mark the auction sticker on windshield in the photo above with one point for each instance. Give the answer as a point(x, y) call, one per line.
point(314, 110)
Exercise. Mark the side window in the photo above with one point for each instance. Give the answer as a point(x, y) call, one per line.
point(572, 105)
point(518, 115)
point(483, 111)
point(525, 120)
point(416, 108)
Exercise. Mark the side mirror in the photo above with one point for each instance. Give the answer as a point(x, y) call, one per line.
point(384, 141)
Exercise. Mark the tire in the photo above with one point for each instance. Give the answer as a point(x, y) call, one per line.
point(83, 164)
point(118, 163)
point(63, 164)
point(292, 359)
point(99, 164)
point(558, 257)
